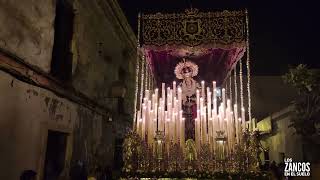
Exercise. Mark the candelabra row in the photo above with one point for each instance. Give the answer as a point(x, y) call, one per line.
point(215, 113)
point(140, 158)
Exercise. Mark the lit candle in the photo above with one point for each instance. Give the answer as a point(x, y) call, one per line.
point(219, 118)
point(223, 97)
point(147, 94)
point(137, 121)
point(243, 118)
point(240, 130)
point(202, 90)
point(209, 102)
point(214, 107)
point(222, 112)
point(214, 128)
point(178, 120)
point(197, 133)
point(174, 89)
point(159, 122)
point(156, 107)
point(214, 90)
point(198, 99)
point(205, 126)
point(143, 127)
point(150, 128)
point(180, 98)
point(235, 108)
point(163, 119)
point(168, 132)
point(149, 122)
point(140, 127)
point(163, 92)
point(166, 124)
point(232, 129)
point(183, 141)
point(210, 135)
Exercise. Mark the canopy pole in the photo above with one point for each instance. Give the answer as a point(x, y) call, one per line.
point(248, 69)
point(135, 118)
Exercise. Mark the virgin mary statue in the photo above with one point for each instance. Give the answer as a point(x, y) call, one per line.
point(185, 71)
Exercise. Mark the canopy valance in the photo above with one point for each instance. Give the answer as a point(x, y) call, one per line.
point(193, 28)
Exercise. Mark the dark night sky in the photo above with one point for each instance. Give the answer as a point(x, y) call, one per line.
point(281, 33)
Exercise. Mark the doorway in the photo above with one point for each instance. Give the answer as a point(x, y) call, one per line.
point(55, 155)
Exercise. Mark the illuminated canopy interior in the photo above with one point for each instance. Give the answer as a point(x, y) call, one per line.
point(214, 63)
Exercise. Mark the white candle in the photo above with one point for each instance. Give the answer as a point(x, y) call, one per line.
point(168, 134)
point(198, 99)
point(183, 141)
point(163, 119)
point(156, 108)
point(240, 129)
point(163, 92)
point(147, 94)
point(214, 90)
point(202, 90)
point(209, 102)
point(222, 112)
point(143, 127)
point(214, 128)
point(140, 127)
point(205, 125)
point(180, 98)
point(174, 89)
point(149, 122)
point(210, 135)
point(243, 118)
point(235, 108)
point(150, 128)
point(214, 107)
point(137, 121)
point(223, 97)
point(159, 118)
point(231, 130)
point(166, 124)
point(197, 132)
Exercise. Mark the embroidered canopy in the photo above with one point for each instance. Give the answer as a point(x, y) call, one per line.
point(215, 41)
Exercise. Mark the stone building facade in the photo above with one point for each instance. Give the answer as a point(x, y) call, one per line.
point(45, 117)
point(278, 138)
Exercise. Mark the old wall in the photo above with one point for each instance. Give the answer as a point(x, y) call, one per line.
point(27, 113)
point(103, 45)
point(101, 51)
point(281, 138)
point(27, 30)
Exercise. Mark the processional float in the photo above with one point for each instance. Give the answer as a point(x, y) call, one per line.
point(192, 104)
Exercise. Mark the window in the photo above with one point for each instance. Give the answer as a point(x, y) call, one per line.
point(61, 64)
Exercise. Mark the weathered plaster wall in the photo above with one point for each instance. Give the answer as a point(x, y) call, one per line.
point(100, 49)
point(27, 30)
point(281, 139)
point(27, 113)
